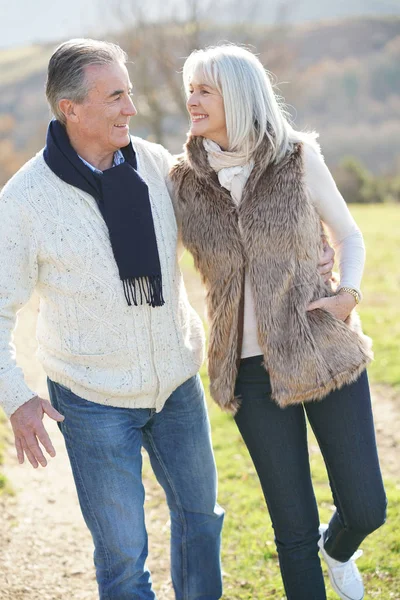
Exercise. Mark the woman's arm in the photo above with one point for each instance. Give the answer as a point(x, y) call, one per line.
point(343, 231)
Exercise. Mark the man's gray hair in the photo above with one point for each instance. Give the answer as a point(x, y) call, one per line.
point(66, 71)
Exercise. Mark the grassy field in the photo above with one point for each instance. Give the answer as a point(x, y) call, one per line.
point(380, 309)
point(249, 555)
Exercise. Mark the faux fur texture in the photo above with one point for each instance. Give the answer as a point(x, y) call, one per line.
point(307, 354)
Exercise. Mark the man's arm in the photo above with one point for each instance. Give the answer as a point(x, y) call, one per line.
point(18, 277)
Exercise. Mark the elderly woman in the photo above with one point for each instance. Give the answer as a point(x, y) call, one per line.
point(253, 199)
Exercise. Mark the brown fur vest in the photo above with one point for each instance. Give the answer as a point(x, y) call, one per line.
point(307, 354)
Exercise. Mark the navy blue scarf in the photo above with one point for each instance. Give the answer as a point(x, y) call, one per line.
point(123, 199)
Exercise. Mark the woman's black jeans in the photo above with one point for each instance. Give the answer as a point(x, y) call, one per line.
point(277, 441)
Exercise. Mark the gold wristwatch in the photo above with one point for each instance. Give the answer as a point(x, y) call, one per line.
point(354, 293)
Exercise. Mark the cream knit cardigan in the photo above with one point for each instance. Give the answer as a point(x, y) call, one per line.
point(54, 240)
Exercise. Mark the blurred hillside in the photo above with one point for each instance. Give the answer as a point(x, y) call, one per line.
point(342, 77)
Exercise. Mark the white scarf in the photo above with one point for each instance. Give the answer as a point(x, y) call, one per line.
point(233, 168)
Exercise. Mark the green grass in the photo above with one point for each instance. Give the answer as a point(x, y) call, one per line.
point(249, 555)
point(380, 308)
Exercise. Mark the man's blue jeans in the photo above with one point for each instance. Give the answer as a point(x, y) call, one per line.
point(104, 446)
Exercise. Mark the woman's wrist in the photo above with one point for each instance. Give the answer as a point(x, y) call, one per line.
point(350, 298)
point(350, 292)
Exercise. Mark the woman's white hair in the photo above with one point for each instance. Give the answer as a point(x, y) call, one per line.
point(252, 109)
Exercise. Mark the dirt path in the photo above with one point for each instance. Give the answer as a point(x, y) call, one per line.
point(45, 548)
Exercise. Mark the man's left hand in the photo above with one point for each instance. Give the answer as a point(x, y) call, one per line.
point(326, 261)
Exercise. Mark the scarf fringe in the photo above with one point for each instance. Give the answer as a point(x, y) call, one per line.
point(148, 288)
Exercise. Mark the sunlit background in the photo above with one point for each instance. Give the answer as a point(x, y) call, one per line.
point(337, 65)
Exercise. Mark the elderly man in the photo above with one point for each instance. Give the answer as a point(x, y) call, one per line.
point(89, 224)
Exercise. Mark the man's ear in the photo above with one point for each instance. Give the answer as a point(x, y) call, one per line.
point(67, 107)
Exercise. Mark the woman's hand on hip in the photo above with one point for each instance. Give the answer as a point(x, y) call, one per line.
point(340, 306)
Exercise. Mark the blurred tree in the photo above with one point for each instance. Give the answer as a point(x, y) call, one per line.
point(7, 124)
point(351, 179)
point(342, 77)
point(357, 184)
point(10, 160)
point(158, 49)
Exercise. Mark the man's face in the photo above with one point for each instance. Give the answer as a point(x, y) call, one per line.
point(103, 117)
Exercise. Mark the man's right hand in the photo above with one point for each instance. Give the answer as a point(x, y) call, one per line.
point(27, 424)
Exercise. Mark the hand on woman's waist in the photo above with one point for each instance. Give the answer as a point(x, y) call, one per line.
point(340, 305)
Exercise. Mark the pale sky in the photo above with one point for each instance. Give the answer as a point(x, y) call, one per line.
point(24, 22)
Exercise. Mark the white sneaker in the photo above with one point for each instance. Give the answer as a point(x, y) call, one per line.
point(345, 577)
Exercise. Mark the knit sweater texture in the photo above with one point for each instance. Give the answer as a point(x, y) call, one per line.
point(54, 240)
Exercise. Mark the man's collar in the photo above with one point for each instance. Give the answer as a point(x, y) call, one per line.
point(117, 160)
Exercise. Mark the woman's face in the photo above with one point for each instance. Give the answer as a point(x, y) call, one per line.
point(206, 108)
